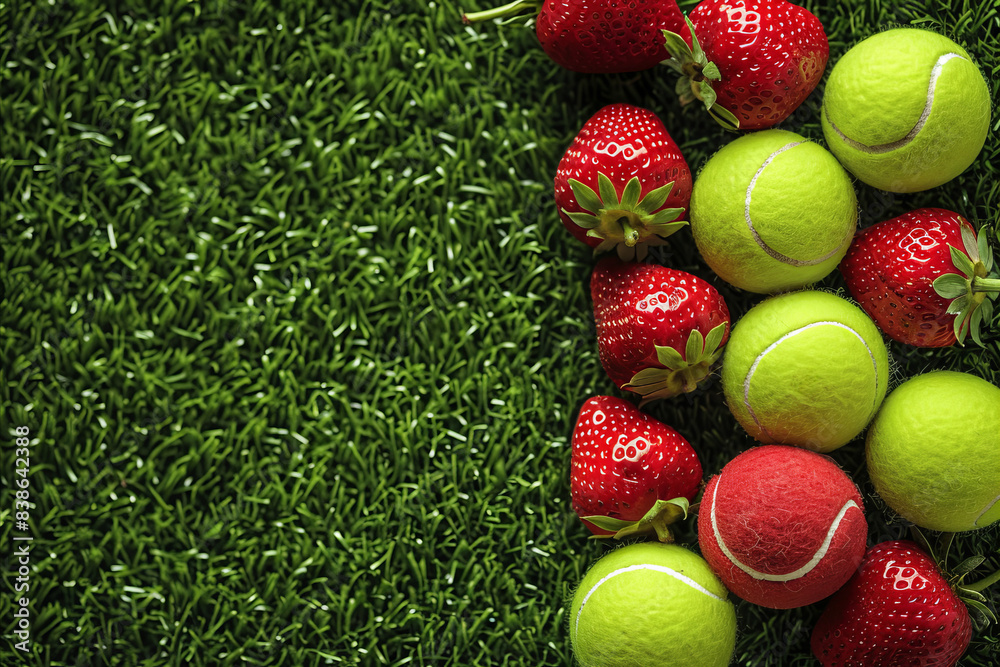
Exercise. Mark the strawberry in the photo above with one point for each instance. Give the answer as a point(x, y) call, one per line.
point(630, 473)
point(659, 330)
point(897, 609)
point(597, 36)
point(750, 62)
point(623, 182)
point(911, 276)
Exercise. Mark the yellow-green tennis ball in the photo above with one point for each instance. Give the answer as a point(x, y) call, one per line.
point(773, 211)
point(805, 368)
point(934, 451)
point(906, 110)
point(652, 604)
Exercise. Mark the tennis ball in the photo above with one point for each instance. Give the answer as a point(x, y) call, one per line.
point(652, 604)
point(782, 527)
point(773, 211)
point(805, 368)
point(906, 110)
point(933, 451)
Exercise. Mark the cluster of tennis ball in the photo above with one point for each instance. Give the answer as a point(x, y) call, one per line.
point(806, 371)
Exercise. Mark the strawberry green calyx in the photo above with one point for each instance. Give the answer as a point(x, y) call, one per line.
point(656, 520)
point(628, 224)
point(973, 289)
point(680, 374)
point(511, 10)
point(970, 594)
point(696, 74)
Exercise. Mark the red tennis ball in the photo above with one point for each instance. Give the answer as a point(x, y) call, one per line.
point(782, 526)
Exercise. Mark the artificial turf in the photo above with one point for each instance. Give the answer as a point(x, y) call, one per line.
point(299, 338)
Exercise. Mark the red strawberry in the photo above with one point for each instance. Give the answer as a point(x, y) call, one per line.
point(597, 36)
point(911, 276)
point(897, 609)
point(659, 330)
point(623, 182)
point(750, 62)
point(624, 461)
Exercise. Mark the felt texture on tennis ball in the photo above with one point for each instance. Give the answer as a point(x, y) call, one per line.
point(805, 368)
point(773, 211)
point(933, 451)
point(652, 604)
point(906, 110)
point(783, 527)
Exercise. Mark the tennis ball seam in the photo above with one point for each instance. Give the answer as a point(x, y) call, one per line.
point(772, 346)
point(771, 252)
point(986, 509)
point(912, 134)
point(684, 579)
point(817, 556)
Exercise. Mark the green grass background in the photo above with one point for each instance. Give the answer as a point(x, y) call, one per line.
point(300, 339)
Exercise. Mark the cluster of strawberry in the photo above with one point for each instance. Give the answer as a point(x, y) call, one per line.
point(623, 186)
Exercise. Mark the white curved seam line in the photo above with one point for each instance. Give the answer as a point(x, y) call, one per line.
point(911, 135)
point(644, 566)
point(986, 509)
point(802, 571)
point(771, 252)
point(795, 332)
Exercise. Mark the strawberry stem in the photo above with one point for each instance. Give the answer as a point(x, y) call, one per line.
point(981, 284)
point(695, 72)
point(690, 377)
point(630, 235)
point(983, 583)
point(512, 9)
